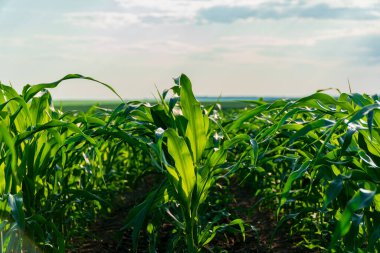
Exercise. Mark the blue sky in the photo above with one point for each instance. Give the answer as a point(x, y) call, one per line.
point(226, 47)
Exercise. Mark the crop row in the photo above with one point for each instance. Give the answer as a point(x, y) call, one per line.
point(314, 161)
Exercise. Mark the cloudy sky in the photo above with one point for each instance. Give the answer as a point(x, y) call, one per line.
point(226, 47)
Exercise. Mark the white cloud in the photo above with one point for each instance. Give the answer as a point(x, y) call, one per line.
point(350, 3)
point(191, 7)
point(14, 41)
point(112, 45)
point(73, 39)
point(190, 11)
point(185, 7)
point(292, 41)
point(102, 19)
point(244, 41)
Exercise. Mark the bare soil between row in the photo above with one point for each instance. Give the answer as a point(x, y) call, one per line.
point(105, 235)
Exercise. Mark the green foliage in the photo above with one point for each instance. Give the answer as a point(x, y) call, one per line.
point(185, 151)
point(319, 157)
point(315, 162)
point(54, 175)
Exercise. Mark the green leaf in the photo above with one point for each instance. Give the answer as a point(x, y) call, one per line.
point(6, 138)
point(184, 167)
point(364, 111)
point(326, 99)
point(137, 216)
point(245, 116)
point(206, 236)
point(292, 177)
point(16, 204)
point(197, 125)
point(30, 91)
point(375, 236)
point(53, 124)
point(333, 190)
point(311, 126)
point(363, 198)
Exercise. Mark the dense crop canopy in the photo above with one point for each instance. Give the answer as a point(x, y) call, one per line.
point(315, 163)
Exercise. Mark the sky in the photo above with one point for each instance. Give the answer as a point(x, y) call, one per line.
point(226, 47)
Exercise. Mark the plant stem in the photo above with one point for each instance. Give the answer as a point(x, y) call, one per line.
point(191, 246)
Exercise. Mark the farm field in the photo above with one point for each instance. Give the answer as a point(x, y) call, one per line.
point(178, 175)
point(85, 105)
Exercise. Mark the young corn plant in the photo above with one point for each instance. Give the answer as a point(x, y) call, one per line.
point(50, 168)
point(332, 186)
point(193, 159)
point(319, 158)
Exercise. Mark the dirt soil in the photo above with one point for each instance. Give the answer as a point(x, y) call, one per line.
point(106, 236)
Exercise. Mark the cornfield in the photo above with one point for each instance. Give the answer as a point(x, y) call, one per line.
point(313, 162)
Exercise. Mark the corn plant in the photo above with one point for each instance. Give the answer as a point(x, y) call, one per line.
point(323, 153)
point(191, 154)
point(52, 171)
point(314, 161)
